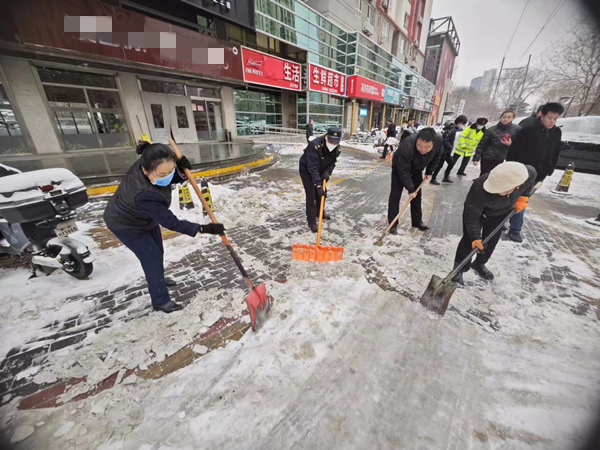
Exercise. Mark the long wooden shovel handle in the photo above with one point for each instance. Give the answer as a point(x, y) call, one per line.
point(233, 254)
point(387, 230)
point(464, 262)
point(321, 213)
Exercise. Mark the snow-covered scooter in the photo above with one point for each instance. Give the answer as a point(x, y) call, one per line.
point(37, 215)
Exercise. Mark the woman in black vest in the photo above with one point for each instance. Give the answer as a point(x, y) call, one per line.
point(140, 204)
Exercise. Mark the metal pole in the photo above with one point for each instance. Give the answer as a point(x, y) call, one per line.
point(497, 84)
point(523, 85)
point(394, 115)
point(383, 118)
point(370, 117)
point(307, 106)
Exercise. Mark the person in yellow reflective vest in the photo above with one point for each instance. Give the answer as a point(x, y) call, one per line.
point(467, 143)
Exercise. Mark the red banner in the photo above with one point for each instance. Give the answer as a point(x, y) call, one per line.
point(260, 68)
point(362, 87)
point(326, 80)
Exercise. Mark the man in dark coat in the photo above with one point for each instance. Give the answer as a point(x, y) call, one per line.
point(532, 118)
point(317, 164)
point(408, 128)
point(537, 145)
point(417, 152)
point(391, 133)
point(309, 130)
point(449, 137)
point(490, 199)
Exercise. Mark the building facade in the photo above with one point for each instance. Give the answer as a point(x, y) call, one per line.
point(80, 82)
point(443, 46)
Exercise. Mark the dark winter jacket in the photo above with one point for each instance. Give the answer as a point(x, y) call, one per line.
point(481, 203)
point(138, 206)
point(537, 146)
point(309, 130)
point(528, 120)
point(391, 131)
point(408, 161)
point(448, 136)
point(318, 161)
point(407, 132)
point(491, 147)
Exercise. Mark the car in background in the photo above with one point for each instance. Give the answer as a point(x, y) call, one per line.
point(580, 143)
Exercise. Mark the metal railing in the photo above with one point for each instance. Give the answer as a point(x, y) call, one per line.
point(271, 134)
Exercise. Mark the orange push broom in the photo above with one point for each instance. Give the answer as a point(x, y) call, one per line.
point(259, 303)
point(317, 253)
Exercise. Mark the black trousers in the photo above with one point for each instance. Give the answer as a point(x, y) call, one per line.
point(487, 165)
point(463, 164)
point(488, 224)
point(148, 247)
point(416, 213)
point(313, 201)
point(385, 150)
point(446, 158)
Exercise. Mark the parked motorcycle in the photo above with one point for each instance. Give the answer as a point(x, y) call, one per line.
point(37, 215)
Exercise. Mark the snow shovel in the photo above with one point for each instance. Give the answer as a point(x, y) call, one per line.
point(259, 303)
point(438, 293)
point(379, 242)
point(317, 253)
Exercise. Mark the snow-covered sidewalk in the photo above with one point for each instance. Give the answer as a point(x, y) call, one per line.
point(346, 360)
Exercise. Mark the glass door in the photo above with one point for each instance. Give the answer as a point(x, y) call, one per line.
point(202, 129)
point(215, 120)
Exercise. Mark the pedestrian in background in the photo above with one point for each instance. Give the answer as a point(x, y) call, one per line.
point(417, 152)
point(489, 201)
point(309, 130)
point(140, 204)
point(408, 128)
point(496, 141)
point(538, 145)
point(467, 143)
point(391, 133)
point(449, 137)
point(532, 118)
point(317, 164)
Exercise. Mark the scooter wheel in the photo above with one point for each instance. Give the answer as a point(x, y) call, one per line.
point(76, 267)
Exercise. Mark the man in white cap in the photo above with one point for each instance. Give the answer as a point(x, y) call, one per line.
point(488, 202)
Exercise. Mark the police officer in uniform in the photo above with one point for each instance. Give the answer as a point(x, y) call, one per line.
point(316, 164)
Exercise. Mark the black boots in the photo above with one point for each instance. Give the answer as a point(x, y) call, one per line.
point(434, 182)
point(170, 282)
point(461, 174)
point(447, 179)
point(326, 216)
point(313, 226)
point(458, 279)
point(393, 231)
point(482, 271)
point(169, 307)
point(421, 226)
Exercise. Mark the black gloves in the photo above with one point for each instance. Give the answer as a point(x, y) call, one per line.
point(326, 176)
point(321, 192)
point(183, 163)
point(212, 228)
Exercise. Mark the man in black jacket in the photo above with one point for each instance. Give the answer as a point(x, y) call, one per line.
point(490, 199)
point(538, 145)
point(391, 133)
point(309, 129)
point(449, 137)
point(417, 152)
point(317, 164)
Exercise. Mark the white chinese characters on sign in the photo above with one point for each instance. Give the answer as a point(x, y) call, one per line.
point(287, 72)
point(373, 90)
point(325, 80)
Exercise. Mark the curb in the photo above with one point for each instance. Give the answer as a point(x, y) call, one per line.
point(210, 173)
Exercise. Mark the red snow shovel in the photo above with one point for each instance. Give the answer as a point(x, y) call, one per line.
point(437, 295)
point(379, 242)
point(259, 303)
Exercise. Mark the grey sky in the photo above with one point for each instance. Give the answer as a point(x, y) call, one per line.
point(485, 27)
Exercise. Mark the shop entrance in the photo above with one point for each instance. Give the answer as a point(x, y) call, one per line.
point(169, 114)
point(208, 118)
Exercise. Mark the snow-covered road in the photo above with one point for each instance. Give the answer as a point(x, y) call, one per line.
point(347, 360)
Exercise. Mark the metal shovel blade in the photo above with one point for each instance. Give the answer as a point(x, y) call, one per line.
point(259, 305)
point(437, 295)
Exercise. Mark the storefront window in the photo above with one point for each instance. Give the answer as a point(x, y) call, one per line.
point(11, 136)
point(162, 87)
point(255, 109)
point(324, 109)
point(87, 112)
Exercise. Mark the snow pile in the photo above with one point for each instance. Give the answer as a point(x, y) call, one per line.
point(297, 149)
point(24, 186)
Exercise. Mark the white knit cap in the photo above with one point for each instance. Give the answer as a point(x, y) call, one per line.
point(505, 177)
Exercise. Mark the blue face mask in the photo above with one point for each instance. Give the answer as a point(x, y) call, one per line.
point(164, 181)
